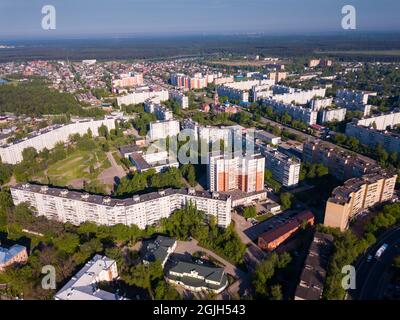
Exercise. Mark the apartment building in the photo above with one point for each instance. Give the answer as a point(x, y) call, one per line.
point(381, 122)
point(128, 81)
point(235, 171)
point(17, 254)
point(332, 114)
point(161, 112)
point(84, 284)
point(354, 100)
point(224, 80)
point(305, 115)
point(144, 210)
point(241, 90)
point(198, 81)
point(341, 164)
point(180, 98)
point(371, 137)
point(213, 134)
point(140, 96)
point(285, 169)
point(50, 136)
point(277, 75)
point(289, 95)
point(318, 104)
point(163, 129)
point(356, 195)
point(319, 62)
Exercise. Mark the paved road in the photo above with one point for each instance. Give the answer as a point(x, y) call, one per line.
point(108, 176)
point(371, 276)
point(253, 254)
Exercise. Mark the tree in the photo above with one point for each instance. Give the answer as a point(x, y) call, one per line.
point(396, 261)
point(276, 292)
point(67, 243)
point(265, 271)
point(250, 212)
point(103, 131)
point(286, 200)
point(29, 154)
point(5, 173)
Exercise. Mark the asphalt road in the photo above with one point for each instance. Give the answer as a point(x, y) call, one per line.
point(371, 277)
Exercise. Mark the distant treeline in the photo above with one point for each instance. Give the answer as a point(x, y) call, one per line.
point(154, 47)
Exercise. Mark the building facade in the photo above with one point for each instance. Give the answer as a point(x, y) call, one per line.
point(237, 171)
point(285, 169)
point(140, 96)
point(49, 137)
point(342, 165)
point(305, 115)
point(84, 284)
point(144, 210)
point(17, 254)
point(163, 129)
point(356, 195)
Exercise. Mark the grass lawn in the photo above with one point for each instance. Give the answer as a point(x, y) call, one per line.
point(77, 166)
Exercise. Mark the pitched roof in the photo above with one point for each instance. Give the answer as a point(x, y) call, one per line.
point(7, 254)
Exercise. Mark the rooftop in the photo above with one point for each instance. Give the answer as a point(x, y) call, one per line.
point(83, 285)
point(313, 275)
point(112, 202)
point(8, 254)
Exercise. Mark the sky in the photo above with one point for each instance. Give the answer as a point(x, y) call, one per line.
point(23, 18)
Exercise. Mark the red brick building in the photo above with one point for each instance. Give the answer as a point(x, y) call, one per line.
point(271, 239)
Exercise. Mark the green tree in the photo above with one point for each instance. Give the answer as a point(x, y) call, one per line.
point(250, 212)
point(286, 200)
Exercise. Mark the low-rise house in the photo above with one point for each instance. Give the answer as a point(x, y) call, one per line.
point(158, 249)
point(198, 277)
point(17, 254)
point(272, 238)
point(84, 284)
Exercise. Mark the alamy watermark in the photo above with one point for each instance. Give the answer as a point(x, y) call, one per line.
point(49, 20)
point(49, 280)
point(349, 20)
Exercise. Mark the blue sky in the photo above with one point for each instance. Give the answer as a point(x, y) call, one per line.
point(22, 18)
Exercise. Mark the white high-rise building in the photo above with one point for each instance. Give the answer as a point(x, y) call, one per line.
point(140, 96)
point(180, 98)
point(50, 136)
point(163, 129)
point(144, 210)
point(285, 169)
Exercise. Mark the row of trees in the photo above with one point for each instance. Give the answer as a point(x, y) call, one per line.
point(264, 274)
point(378, 152)
point(141, 181)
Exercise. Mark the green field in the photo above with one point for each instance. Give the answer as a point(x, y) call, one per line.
point(79, 165)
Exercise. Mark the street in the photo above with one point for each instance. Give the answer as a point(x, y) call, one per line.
point(371, 276)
